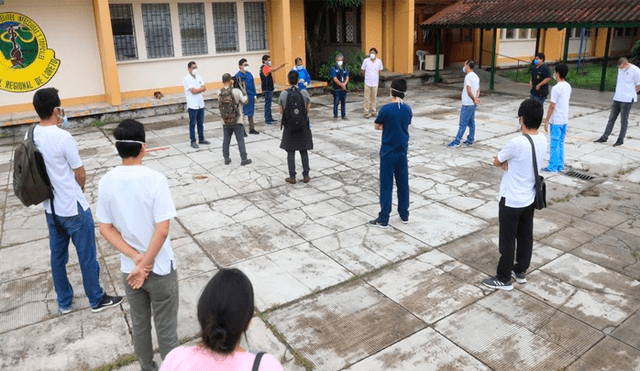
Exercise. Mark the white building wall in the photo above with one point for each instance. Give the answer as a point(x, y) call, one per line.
point(69, 26)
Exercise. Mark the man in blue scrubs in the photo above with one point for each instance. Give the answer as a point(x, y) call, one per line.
point(247, 78)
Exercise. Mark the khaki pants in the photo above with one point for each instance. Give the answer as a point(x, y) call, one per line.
point(370, 95)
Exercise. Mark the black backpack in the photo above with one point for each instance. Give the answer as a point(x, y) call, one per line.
point(31, 183)
point(294, 117)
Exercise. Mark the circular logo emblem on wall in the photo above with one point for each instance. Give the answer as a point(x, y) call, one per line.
point(25, 62)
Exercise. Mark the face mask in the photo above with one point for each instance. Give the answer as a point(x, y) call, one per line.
point(194, 71)
point(298, 68)
point(372, 56)
point(65, 120)
point(535, 62)
point(339, 63)
point(463, 70)
point(269, 63)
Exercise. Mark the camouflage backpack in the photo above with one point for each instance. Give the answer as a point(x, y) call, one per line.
point(228, 106)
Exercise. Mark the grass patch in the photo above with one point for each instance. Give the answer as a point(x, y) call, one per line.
point(120, 362)
point(588, 78)
point(563, 199)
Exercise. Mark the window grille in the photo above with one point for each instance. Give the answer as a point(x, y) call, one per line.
point(534, 33)
point(192, 28)
point(255, 22)
point(124, 36)
point(510, 33)
point(225, 25)
point(350, 27)
point(523, 33)
point(157, 30)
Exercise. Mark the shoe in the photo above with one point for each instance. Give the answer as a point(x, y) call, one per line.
point(519, 277)
point(306, 179)
point(453, 145)
point(335, 119)
point(374, 114)
point(366, 115)
point(254, 131)
point(227, 161)
point(290, 180)
point(467, 143)
point(495, 283)
point(194, 145)
point(245, 162)
point(245, 133)
point(618, 144)
point(405, 221)
point(600, 140)
point(345, 118)
point(377, 223)
point(204, 141)
point(64, 311)
point(107, 301)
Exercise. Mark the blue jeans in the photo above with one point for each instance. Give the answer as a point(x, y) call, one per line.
point(81, 230)
point(394, 165)
point(196, 115)
point(537, 98)
point(467, 118)
point(268, 97)
point(556, 150)
point(622, 109)
point(339, 96)
point(227, 131)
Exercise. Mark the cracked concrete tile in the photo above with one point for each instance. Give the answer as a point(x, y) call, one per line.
point(566, 239)
point(200, 218)
point(614, 249)
point(426, 350)
point(190, 259)
point(627, 332)
point(362, 248)
point(464, 203)
point(303, 269)
point(481, 332)
point(27, 259)
point(611, 354)
point(25, 224)
point(328, 330)
point(238, 209)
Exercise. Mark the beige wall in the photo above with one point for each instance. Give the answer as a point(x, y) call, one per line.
point(75, 44)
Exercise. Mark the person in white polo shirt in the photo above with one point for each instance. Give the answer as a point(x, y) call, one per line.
point(193, 89)
point(558, 116)
point(627, 88)
point(371, 68)
point(135, 210)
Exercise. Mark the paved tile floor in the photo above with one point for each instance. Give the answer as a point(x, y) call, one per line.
point(338, 293)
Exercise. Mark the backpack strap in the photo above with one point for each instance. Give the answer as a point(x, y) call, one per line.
point(535, 162)
point(53, 208)
point(256, 363)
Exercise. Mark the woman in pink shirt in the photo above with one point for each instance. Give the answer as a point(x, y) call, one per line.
point(225, 309)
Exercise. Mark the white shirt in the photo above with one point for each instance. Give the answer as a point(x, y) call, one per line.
point(518, 182)
point(560, 95)
point(61, 157)
point(372, 71)
point(134, 199)
point(626, 85)
point(194, 101)
point(471, 79)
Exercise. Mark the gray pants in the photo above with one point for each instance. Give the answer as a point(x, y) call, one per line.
point(160, 294)
point(622, 109)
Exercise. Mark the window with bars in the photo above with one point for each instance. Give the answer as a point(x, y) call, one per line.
point(523, 33)
point(344, 26)
point(192, 28)
point(124, 36)
point(508, 33)
point(156, 20)
point(255, 23)
point(225, 25)
point(534, 33)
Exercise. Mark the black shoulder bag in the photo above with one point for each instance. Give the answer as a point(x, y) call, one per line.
point(540, 202)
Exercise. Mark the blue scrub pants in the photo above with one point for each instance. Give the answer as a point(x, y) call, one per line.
point(556, 155)
point(394, 165)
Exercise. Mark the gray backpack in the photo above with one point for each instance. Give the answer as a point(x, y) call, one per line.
point(31, 183)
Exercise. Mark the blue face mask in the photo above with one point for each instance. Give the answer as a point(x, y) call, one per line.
point(65, 120)
point(298, 67)
point(535, 62)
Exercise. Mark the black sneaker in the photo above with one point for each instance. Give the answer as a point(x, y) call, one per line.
point(600, 140)
point(618, 144)
point(519, 277)
point(194, 145)
point(246, 162)
point(227, 161)
point(107, 301)
point(204, 141)
point(254, 131)
point(467, 143)
point(377, 223)
point(495, 283)
point(405, 221)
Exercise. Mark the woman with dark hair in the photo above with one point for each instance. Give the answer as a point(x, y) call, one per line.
point(225, 309)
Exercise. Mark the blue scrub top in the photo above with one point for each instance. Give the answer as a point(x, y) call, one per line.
point(395, 119)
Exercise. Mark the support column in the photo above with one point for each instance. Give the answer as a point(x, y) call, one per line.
point(107, 52)
point(404, 20)
point(606, 60)
point(298, 33)
point(481, 48)
point(387, 34)
point(372, 27)
point(280, 30)
point(438, 33)
point(493, 59)
point(567, 35)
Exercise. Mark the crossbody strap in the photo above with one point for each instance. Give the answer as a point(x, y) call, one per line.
point(53, 208)
point(256, 363)
point(535, 162)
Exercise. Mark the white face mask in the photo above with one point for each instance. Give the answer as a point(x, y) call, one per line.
point(269, 63)
point(339, 63)
point(464, 70)
point(194, 71)
point(372, 55)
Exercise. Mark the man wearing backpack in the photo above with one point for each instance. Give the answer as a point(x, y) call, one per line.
point(73, 215)
point(228, 100)
point(296, 136)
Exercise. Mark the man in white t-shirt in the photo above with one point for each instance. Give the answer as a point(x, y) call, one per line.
point(470, 98)
point(517, 193)
point(193, 89)
point(73, 219)
point(371, 68)
point(627, 88)
point(558, 115)
point(134, 210)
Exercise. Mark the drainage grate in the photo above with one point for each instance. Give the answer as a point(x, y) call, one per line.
point(578, 175)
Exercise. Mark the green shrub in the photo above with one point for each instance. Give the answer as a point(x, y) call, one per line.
point(635, 53)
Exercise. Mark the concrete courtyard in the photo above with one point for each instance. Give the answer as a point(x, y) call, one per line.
point(333, 293)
